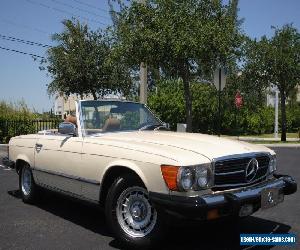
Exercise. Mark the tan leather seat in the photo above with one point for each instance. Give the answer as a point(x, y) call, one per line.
point(111, 124)
point(72, 119)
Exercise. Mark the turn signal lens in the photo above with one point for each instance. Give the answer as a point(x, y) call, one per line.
point(170, 176)
point(187, 178)
point(213, 214)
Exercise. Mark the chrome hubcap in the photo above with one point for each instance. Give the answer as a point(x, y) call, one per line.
point(135, 214)
point(138, 211)
point(26, 181)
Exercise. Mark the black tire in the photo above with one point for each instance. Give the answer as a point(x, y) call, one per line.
point(120, 186)
point(29, 193)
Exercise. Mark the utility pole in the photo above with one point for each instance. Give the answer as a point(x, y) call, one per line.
point(219, 82)
point(276, 114)
point(219, 97)
point(62, 107)
point(143, 83)
point(143, 75)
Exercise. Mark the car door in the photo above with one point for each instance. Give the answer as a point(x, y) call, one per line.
point(96, 158)
point(57, 160)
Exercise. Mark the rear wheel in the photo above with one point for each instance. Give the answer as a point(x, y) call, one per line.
point(27, 185)
point(130, 214)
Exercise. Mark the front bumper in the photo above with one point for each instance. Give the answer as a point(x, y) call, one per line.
point(225, 202)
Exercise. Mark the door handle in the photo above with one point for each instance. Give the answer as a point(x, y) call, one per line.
point(38, 146)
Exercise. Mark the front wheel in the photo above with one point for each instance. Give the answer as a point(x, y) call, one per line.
point(130, 214)
point(27, 185)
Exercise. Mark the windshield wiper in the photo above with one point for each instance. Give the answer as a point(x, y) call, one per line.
point(152, 127)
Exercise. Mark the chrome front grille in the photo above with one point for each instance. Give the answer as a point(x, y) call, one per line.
point(232, 172)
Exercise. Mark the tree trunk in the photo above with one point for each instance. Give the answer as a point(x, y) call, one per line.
point(188, 106)
point(96, 109)
point(156, 73)
point(94, 95)
point(187, 97)
point(283, 116)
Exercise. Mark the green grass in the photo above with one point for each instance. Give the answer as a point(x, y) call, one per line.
point(289, 135)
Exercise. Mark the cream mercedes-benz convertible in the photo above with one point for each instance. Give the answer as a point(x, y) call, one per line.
point(119, 155)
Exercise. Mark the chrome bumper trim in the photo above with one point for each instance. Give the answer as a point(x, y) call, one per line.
point(244, 193)
point(227, 202)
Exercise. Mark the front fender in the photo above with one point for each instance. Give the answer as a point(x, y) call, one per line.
point(25, 158)
point(149, 173)
point(127, 164)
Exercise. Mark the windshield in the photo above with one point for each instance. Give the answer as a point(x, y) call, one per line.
point(113, 116)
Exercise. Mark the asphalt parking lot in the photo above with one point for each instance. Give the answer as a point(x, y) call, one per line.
point(59, 223)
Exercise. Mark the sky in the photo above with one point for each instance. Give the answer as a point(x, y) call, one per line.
point(36, 20)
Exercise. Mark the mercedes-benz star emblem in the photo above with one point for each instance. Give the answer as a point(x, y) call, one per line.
point(251, 170)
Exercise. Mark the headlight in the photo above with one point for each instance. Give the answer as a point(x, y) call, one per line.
point(195, 177)
point(272, 164)
point(203, 177)
point(186, 178)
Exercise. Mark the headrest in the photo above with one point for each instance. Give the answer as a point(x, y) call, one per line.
point(111, 124)
point(72, 119)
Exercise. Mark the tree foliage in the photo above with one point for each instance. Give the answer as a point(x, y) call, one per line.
point(185, 39)
point(168, 103)
point(15, 111)
point(275, 61)
point(81, 63)
point(15, 118)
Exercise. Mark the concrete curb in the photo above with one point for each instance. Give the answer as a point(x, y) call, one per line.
point(253, 139)
point(281, 145)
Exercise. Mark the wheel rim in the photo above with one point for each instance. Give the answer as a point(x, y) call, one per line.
point(26, 181)
point(135, 214)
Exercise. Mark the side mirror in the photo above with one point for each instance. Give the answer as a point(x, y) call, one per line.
point(67, 128)
point(166, 125)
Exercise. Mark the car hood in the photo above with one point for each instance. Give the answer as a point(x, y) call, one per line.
point(180, 145)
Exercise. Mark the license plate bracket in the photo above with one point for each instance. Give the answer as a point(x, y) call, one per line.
point(270, 197)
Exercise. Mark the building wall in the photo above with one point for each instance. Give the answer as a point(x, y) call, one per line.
point(65, 105)
point(271, 96)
